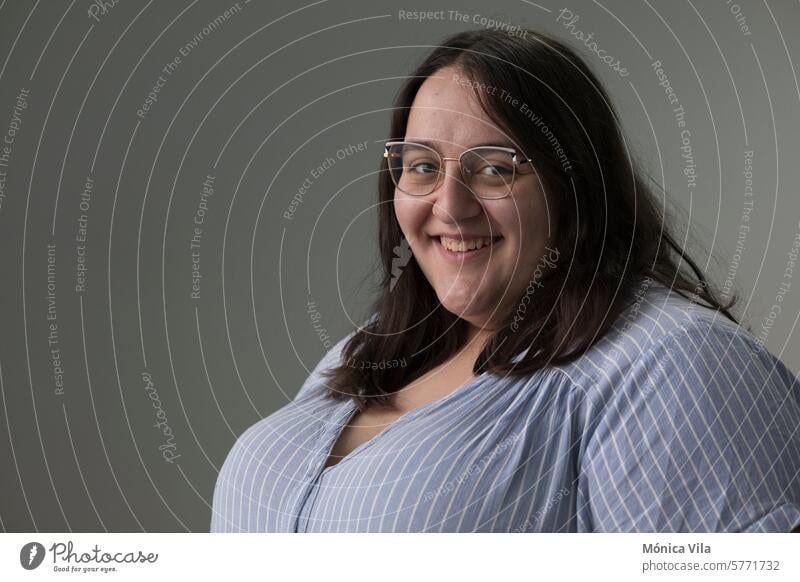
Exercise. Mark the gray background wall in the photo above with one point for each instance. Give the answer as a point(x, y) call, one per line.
point(258, 103)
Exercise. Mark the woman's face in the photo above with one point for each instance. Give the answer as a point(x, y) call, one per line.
point(483, 287)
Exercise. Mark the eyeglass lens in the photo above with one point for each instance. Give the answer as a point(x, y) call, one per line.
point(417, 169)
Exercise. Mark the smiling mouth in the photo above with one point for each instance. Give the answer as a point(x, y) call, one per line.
point(467, 246)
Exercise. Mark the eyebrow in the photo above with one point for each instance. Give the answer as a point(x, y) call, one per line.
point(502, 143)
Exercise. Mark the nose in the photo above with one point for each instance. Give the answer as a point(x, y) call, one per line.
point(454, 202)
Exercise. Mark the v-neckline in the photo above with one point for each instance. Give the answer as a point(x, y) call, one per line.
point(349, 410)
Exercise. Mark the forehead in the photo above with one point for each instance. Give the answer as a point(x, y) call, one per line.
point(446, 111)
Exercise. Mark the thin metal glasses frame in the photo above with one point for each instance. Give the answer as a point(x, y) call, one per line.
point(515, 160)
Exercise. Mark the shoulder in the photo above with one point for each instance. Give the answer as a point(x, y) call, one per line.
point(682, 359)
point(700, 432)
point(668, 352)
point(657, 321)
point(331, 359)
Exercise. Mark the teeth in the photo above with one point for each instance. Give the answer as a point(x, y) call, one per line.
point(460, 246)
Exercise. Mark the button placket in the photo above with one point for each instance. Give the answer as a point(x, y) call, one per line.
point(314, 467)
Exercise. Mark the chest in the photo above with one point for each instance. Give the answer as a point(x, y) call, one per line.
point(490, 456)
point(365, 425)
point(452, 470)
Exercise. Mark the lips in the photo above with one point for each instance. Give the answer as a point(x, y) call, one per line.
point(468, 249)
point(463, 245)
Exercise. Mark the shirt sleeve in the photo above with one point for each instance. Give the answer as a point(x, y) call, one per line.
point(702, 435)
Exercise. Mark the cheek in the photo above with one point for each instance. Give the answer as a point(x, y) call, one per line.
point(525, 226)
point(411, 215)
point(512, 220)
point(525, 219)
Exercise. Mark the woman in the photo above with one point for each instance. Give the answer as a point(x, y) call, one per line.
point(544, 361)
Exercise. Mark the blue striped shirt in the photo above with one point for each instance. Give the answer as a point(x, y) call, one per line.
point(676, 420)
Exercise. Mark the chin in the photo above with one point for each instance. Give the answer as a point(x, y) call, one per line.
point(465, 303)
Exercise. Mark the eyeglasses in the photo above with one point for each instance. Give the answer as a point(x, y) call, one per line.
point(487, 171)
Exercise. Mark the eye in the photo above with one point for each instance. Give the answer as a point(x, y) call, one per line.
point(494, 170)
point(422, 167)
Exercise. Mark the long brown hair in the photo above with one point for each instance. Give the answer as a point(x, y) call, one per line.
point(609, 232)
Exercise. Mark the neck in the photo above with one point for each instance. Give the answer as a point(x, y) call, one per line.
point(477, 338)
